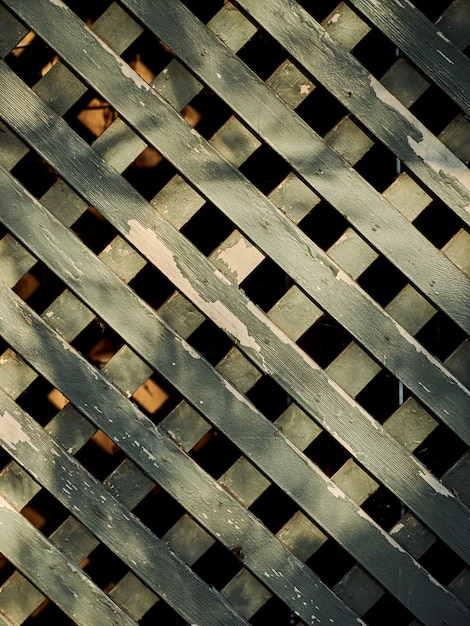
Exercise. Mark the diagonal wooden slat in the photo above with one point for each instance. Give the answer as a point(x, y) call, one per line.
point(367, 99)
point(424, 44)
point(207, 400)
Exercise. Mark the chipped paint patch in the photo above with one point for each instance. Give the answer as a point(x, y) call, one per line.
point(240, 258)
point(130, 73)
point(439, 158)
point(12, 433)
point(334, 19)
point(335, 490)
point(305, 89)
point(435, 484)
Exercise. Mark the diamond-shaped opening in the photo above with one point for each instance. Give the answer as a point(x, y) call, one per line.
point(262, 54)
point(218, 565)
point(376, 53)
point(382, 396)
point(331, 562)
point(438, 223)
point(36, 401)
point(441, 336)
point(321, 110)
point(266, 284)
point(39, 287)
point(46, 614)
point(327, 453)
point(31, 59)
point(208, 113)
point(274, 508)
point(204, 10)
point(388, 611)
point(265, 169)
point(442, 562)
point(94, 230)
point(275, 613)
point(207, 228)
point(104, 567)
point(325, 340)
point(324, 225)
point(440, 450)
point(152, 286)
point(384, 508)
point(100, 456)
point(379, 167)
point(435, 109)
point(210, 341)
point(162, 613)
point(90, 116)
point(269, 397)
point(35, 174)
point(382, 280)
point(159, 511)
point(88, 10)
point(215, 453)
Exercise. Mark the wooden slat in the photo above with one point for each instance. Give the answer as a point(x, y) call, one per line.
point(242, 436)
point(424, 44)
point(165, 462)
point(52, 572)
point(340, 292)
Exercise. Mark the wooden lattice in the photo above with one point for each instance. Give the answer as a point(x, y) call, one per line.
point(234, 310)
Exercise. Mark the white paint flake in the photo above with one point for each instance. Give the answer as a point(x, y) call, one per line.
point(305, 89)
point(334, 19)
point(130, 73)
point(12, 433)
point(335, 490)
point(424, 387)
point(435, 484)
point(444, 56)
point(219, 76)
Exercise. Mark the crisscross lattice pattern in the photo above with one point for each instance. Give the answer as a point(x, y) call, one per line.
point(234, 312)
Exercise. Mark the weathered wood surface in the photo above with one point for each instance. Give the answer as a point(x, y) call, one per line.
point(344, 421)
point(331, 287)
point(270, 348)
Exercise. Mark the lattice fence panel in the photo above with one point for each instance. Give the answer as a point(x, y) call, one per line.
point(234, 312)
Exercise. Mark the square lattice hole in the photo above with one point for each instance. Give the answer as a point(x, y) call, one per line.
point(325, 340)
point(324, 225)
point(266, 284)
point(35, 174)
point(440, 450)
point(382, 396)
point(207, 228)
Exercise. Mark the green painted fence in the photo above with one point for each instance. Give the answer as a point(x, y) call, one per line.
point(234, 312)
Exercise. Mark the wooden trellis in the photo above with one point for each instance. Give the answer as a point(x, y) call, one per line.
point(234, 311)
